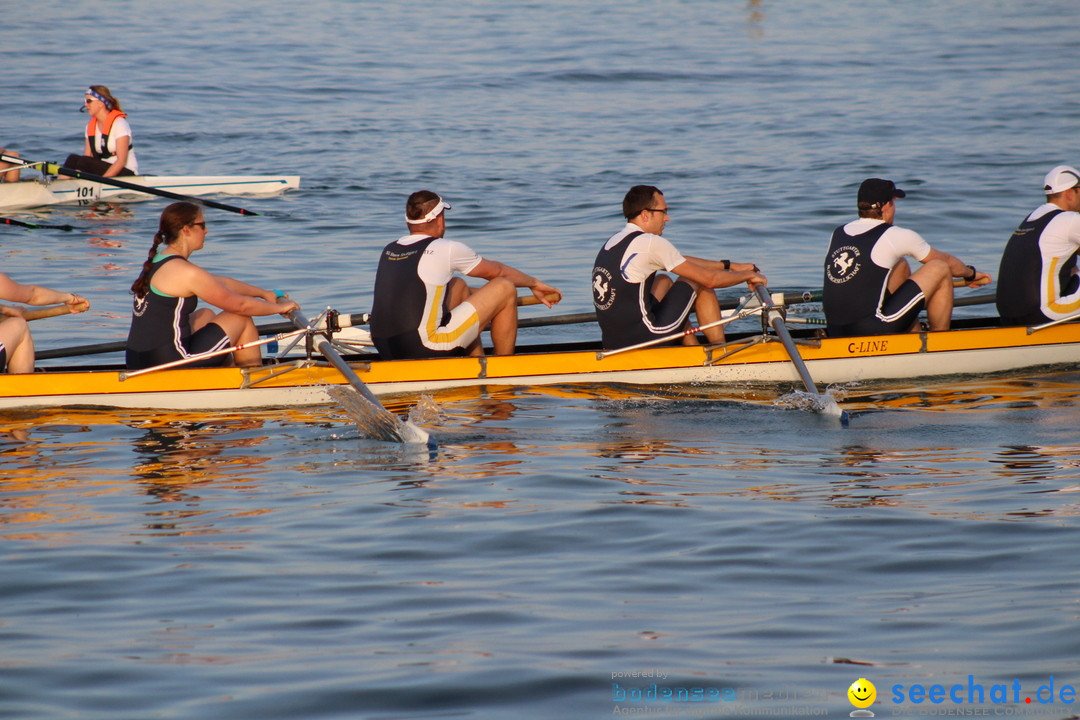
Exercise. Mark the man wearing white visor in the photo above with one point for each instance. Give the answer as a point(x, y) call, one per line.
point(421, 310)
point(1038, 280)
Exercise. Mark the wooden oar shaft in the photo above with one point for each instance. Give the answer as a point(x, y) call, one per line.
point(533, 300)
point(55, 311)
point(55, 169)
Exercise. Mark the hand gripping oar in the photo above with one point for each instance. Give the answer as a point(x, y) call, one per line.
point(54, 169)
point(823, 403)
point(55, 311)
point(385, 424)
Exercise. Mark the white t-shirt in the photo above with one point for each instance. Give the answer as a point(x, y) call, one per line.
point(442, 258)
point(120, 128)
point(646, 254)
point(1061, 237)
point(894, 244)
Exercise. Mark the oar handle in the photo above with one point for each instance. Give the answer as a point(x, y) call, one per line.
point(961, 282)
point(55, 311)
point(533, 300)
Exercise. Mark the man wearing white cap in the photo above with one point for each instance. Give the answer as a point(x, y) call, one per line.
point(869, 287)
point(1038, 279)
point(421, 310)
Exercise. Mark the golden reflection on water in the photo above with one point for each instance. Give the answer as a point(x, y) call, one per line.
point(656, 444)
point(58, 465)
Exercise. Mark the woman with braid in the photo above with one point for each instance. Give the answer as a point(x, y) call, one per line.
point(165, 326)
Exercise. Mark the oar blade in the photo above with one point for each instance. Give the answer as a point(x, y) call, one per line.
point(375, 421)
point(823, 403)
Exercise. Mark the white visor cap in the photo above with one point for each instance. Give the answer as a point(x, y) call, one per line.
point(431, 214)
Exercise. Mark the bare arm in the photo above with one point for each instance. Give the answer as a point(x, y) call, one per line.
point(711, 273)
point(491, 269)
point(958, 269)
point(183, 279)
point(36, 294)
point(242, 288)
point(123, 144)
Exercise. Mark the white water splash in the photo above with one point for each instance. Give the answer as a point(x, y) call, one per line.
point(823, 403)
point(376, 421)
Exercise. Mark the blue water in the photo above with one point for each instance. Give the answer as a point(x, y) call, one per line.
point(564, 544)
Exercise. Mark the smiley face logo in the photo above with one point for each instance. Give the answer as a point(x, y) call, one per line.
point(862, 693)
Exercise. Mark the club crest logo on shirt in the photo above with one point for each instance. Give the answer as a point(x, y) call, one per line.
point(140, 306)
point(602, 292)
point(843, 264)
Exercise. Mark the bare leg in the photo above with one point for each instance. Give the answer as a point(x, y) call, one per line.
point(935, 279)
point(11, 175)
point(707, 307)
point(239, 328)
point(15, 335)
point(496, 303)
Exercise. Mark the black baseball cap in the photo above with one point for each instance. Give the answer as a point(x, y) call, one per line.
point(875, 191)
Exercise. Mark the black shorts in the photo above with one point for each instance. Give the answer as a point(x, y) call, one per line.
point(91, 165)
point(674, 308)
point(898, 314)
point(3, 359)
point(407, 346)
point(209, 337)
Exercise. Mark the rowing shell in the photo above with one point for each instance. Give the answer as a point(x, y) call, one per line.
point(747, 361)
point(39, 193)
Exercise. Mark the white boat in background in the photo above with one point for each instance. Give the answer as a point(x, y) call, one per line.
point(41, 192)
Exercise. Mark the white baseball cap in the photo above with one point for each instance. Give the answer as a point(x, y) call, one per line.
point(1060, 179)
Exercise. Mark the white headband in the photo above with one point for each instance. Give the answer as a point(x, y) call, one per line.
point(431, 215)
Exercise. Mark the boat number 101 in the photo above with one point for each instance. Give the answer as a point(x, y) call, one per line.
point(86, 193)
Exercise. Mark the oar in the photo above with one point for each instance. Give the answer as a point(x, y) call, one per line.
point(55, 311)
point(54, 169)
point(35, 226)
point(383, 423)
point(823, 403)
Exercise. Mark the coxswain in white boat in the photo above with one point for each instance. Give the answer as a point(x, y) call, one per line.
point(16, 344)
point(1038, 281)
point(634, 302)
point(869, 288)
point(165, 326)
point(108, 149)
point(420, 310)
point(10, 175)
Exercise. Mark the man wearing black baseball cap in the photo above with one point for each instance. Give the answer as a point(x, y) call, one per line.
point(869, 287)
point(1038, 279)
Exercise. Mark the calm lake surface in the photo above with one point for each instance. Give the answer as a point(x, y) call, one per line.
point(567, 552)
